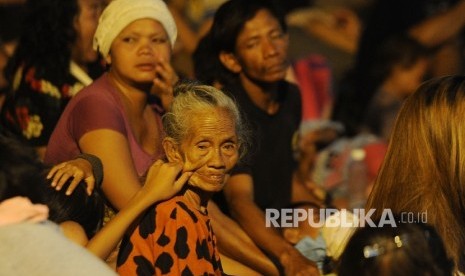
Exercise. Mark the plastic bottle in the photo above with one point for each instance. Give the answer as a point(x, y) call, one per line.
point(357, 179)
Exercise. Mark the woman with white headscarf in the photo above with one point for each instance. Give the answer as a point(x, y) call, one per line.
point(114, 117)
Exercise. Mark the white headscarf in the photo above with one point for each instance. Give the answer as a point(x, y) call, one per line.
point(120, 13)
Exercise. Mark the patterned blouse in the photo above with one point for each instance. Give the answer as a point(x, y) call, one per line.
point(173, 238)
point(36, 104)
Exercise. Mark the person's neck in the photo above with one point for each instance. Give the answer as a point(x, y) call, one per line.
point(197, 198)
point(137, 97)
point(263, 95)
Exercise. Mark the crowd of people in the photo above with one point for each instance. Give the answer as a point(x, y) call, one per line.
point(151, 137)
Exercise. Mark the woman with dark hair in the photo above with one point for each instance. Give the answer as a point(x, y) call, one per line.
point(114, 117)
point(53, 61)
point(406, 249)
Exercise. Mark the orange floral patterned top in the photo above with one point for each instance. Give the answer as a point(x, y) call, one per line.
point(173, 238)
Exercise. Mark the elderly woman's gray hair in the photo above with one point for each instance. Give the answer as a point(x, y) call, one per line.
point(192, 97)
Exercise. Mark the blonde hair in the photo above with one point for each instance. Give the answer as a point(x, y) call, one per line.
point(424, 168)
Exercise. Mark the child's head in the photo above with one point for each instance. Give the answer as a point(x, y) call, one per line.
point(87, 211)
point(407, 249)
point(23, 174)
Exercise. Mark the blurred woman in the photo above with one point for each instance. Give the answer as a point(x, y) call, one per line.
point(423, 170)
point(53, 61)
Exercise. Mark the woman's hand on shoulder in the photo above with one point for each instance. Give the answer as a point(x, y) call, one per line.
point(78, 169)
point(164, 180)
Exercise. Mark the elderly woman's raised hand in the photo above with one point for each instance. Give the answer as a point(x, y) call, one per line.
point(164, 82)
point(163, 182)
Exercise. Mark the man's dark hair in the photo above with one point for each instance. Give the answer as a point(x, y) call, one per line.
point(231, 17)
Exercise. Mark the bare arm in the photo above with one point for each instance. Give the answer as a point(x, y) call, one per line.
point(234, 243)
point(120, 182)
point(161, 184)
point(440, 28)
point(239, 194)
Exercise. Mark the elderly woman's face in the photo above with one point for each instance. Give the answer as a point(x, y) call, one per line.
point(138, 50)
point(210, 150)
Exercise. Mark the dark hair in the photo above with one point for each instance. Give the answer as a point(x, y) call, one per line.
point(46, 40)
point(362, 82)
point(86, 210)
point(207, 66)
point(228, 22)
point(231, 17)
point(23, 174)
point(10, 19)
point(406, 249)
point(20, 170)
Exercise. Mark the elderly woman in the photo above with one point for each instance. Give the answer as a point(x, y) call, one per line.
point(204, 132)
point(113, 118)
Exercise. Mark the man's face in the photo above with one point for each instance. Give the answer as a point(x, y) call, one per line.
point(261, 49)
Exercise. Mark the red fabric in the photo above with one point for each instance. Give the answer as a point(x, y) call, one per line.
point(314, 77)
point(374, 157)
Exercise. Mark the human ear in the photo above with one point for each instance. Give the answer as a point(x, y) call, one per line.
point(171, 150)
point(230, 61)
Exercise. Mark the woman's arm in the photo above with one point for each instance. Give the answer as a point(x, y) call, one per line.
point(120, 182)
point(161, 184)
point(236, 244)
point(239, 195)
